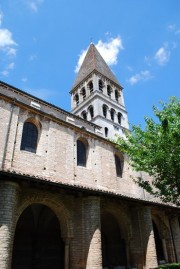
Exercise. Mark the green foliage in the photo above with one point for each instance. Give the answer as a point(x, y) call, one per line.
point(170, 266)
point(156, 150)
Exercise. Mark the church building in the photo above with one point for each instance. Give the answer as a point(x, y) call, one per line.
point(67, 198)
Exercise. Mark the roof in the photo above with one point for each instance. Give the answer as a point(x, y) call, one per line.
point(15, 176)
point(93, 61)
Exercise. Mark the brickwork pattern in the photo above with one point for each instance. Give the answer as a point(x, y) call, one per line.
point(8, 207)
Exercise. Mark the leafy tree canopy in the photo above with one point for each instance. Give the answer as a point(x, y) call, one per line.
point(156, 151)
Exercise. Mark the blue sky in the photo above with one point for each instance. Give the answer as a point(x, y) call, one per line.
point(42, 43)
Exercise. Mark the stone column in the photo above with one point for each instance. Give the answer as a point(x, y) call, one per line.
point(146, 229)
point(176, 236)
point(66, 254)
point(8, 206)
point(86, 244)
point(92, 232)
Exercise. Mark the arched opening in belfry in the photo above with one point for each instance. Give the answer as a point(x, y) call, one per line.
point(159, 245)
point(113, 244)
point(37, 241)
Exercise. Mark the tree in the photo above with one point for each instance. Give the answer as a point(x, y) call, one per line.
point(156, 151)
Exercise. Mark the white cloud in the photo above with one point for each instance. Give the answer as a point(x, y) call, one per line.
point(32, 57)
point(171, 27)
point(34, 4)
point(6, 38)
point(177, 32)
point(11, 66)
point(109, 51)
point(141, 76)
point(162, 55)
point(24, 79)
point(5, 73)
point(11, 51)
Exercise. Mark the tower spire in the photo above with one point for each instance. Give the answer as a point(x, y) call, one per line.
point(97, 95)
point(93, 61)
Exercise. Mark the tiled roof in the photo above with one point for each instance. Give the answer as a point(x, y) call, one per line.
point(93, 61)
point(97, 191)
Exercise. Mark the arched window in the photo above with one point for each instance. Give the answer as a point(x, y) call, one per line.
point(106, 131)
point(84, 115)
point(119, 116)
point(77, 99)
point(91, 111)
point(118, 164)
point(90, 86)
point(29, 137)
point(81, 153)
point(105, 109)
point(116, 95)
point(112, 114)
point(109, 90)
point(100, 85)
point(83, 92)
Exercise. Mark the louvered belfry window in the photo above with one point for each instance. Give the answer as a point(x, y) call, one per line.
point(29, 137)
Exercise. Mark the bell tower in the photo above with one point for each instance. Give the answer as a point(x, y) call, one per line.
point(97, 95)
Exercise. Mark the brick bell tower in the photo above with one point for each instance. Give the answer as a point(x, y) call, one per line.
point(97, 96)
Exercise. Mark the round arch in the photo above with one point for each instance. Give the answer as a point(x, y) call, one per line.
point(38, 239)
point(59, 209)
point(115, 235)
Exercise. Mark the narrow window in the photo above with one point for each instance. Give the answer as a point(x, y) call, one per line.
point(77, 99)
point(116, 95)
point(109, 90)
point(106, 131)
point(83, 91)
point(119, 116)
point(81, 153)
point(84, 115)
point(90, 86)
point(91, 111)
point(104, 108)
point(112, 114)
point(100, 85)
point(118, 166)
point(29, 137)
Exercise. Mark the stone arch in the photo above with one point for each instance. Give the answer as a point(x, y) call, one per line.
point(121, 227)
point(163, 240)
point(122, 218)
point(35, 121)
point(38, 242)
point(59, 209)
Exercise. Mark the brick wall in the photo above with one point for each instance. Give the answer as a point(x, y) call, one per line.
point(8, 207)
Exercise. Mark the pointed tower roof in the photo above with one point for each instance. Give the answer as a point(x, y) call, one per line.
point(94, 61)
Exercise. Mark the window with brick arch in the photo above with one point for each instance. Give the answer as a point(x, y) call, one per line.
point(29, 137)
point(118, 164)
point(81, 153)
